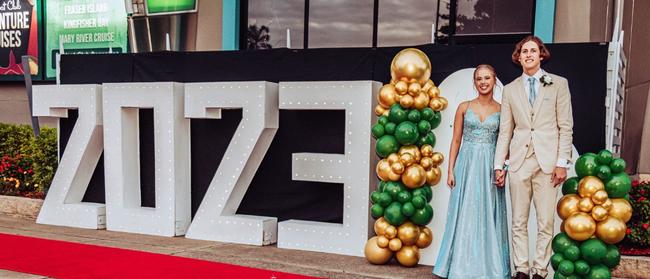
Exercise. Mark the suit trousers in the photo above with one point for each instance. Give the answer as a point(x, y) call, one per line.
point(528, 183)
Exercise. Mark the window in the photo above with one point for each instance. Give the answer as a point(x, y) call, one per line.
point(404, 23)
point(340, 23)
point(268, 21)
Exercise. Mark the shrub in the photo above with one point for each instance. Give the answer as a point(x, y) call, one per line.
point(638, 228)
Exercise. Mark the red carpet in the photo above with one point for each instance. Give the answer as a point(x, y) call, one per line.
point(60, 259)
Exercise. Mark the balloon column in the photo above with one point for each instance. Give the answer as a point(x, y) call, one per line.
point(594, 210)
point(409, 109)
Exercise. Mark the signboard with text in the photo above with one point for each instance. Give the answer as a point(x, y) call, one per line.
point(18, 37)
point(84, 27)
point(160, 7)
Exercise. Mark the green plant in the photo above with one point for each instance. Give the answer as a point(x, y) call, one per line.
point(638, 228)
point(28, 163)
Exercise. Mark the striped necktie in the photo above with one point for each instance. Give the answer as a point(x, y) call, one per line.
point(531, 90)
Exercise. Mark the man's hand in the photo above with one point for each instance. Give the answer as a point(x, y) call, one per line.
point(559, 176)
point(499, 178)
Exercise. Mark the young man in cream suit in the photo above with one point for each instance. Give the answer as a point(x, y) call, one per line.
point(536, 132)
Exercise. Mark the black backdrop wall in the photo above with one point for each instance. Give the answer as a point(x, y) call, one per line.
point(272, 192)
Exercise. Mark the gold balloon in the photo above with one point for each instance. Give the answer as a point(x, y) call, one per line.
point(382, 241)
point(434, 175)
point(562, 226)
point(424, 238)
point(589, 185)
point(411, 149)
point(427, 86)
point(580, 226)
point(406, 101)
point(386, 97)
point(397, 167)
point(607, 204)
point(395, 244)
point(384, 170)
point(599, 213)
point(401, 87)
point(379, 110)
point(444, 102)
point(611, 231)
point(414, 89)
point(438, 158)
point(414, 176)
point(408, 256)
point(435, 104)
point(390, 231)
point(375, 254)
point(407, 159)
point(393, 158)
point(411, 63)
point(585, 205)
point(621, 209)
point(408, 233)
point(421, 101)
point(426, 150)
point(568, 205)
point(434, 92)
point(380, 226)
point(426, 163)
point(599, 197)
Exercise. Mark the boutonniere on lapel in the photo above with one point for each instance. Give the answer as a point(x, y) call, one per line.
point(546, 80)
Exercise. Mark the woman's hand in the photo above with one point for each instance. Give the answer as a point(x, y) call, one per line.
point(451, 181)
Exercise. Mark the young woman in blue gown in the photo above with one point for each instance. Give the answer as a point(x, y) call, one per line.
point(475, 242)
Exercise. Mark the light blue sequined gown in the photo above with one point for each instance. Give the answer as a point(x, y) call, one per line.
point(475, 242)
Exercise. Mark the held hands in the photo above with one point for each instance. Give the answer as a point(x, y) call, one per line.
point(499, 178)
point(559, 176)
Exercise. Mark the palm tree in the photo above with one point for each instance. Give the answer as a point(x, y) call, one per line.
point(258, 38)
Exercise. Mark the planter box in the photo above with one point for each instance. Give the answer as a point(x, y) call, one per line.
point(19, 206)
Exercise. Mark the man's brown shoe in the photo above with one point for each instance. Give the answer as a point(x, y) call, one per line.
point(520, 275)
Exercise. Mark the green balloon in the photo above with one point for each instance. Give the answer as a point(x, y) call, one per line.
point(408, 209)
point(382, 120)
point(393, 188)
point(393, 214)
point(429, 139)
point(407, 133)
point(374, 197)
point(603, 172)
point(599, 271)
point(428, 193)
point(617, 165)
point(586, 165)
point(414, 116)
point(593, 251)
point(582, 267)
point(570, 186)
point(558, 275)
point(386, 145)
point(427, 114)
point(423, 215)
point(419, 201)
point(424, 127)
point(381, 186)
point(572, 253)
point(566, 267)
point(384, 199)
point(376, 211)
point(618, 185)
point(604, 157)
point(397, 114)
point(389, 128)
point(378, 130)
point(561, 242)
point(435, 121)
point(612, 257)
point(404, 196)
point(556, 259)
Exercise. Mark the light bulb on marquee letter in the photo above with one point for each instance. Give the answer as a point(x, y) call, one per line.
point(62, 205)
point(354, 168)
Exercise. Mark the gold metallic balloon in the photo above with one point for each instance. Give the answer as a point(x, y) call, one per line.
point(380, 226)
point(395, 244)
point(406, 101)
point(438, 158)
point(611, 231)
point(401, 87)
point(408, 256)
point(585, 205)
point(421, 101)
point(414, 89)
point(580, 226)
point(424, 238)
point(562, 226)
point(386, 97)
point(444, 102)
point(393, 158)
point(426, 163)
point(408, 233)
point(411, 149)
point(434, 175)
point(384, 170)
point(398, 98)
point(411, 63)
point(390, 232)
point(568, 205)
point(621, 209)
point(379, 110)
point(427, 86)
point(375, 254)
point(397, 167)
point(599, 197)
point(434, 92)
point(414, 176)
point(435, 104)
point(407, 159)
point(607, 204)
point(382, 241)
point(599, 213)
point(589, 185)
point(426, 150)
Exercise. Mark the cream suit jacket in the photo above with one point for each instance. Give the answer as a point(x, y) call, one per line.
point(547, 126)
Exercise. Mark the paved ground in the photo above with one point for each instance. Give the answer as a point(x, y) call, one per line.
point(268, 257)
